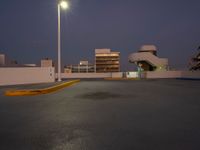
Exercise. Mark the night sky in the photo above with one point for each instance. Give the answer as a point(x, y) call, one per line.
point(28, 29)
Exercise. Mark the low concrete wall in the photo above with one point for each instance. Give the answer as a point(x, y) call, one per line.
point(26, 75)
point(190, 74)
point(162, 74)
point(131, 74)
point(117, 75)
point(85, 75)
point(148, 75)
point(172, 74)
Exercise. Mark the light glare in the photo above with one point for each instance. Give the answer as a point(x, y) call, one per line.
point(64, 4)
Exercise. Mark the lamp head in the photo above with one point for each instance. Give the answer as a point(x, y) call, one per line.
point(64, 4)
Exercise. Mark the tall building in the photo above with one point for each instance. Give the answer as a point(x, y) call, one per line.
point(107, 61)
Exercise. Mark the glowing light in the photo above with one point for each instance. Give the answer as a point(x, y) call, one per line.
point(64, 4)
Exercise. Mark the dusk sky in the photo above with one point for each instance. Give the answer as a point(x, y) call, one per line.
point(28, 29)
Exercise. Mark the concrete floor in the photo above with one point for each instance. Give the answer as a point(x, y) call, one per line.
point(105, 115)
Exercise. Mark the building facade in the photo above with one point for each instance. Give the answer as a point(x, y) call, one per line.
point(2, 59)
point(147, 58)
point(107, 61)
point(82, 67)
point(46, 62)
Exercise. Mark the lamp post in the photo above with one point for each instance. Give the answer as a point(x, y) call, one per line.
point(64, 5)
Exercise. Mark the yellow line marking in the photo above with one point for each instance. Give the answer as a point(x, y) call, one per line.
point(39, 91)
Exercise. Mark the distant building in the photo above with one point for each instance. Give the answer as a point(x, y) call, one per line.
point(68, 69)
point(46, 62)
point(2, 59)
point(82, 67)
point(6, 62)
point(148, 60)
point(149, 48)
point(107, 61)
point(84, 62)
point(195, 61)
point(29, 65)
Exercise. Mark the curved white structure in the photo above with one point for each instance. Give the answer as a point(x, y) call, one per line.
point(148, 48)
point(147, 57)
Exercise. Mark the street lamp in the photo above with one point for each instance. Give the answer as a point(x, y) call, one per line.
point(64, 5)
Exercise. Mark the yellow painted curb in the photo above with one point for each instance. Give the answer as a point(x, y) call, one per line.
point(119, 79)
point(40, 91)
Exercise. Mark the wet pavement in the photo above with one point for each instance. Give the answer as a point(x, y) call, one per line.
point(104, 115)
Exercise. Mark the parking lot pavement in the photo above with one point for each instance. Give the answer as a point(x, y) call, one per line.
point(104, 115)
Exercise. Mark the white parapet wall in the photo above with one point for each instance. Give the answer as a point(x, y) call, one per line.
point(190, 74)
point(131, 74)
point(148, 75)
point(172, 74)
point(86, 75)
point(117, 74)
point(162, 74)
point(26, 75)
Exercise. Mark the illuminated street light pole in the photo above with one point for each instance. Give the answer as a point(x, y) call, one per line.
point(61, 4)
